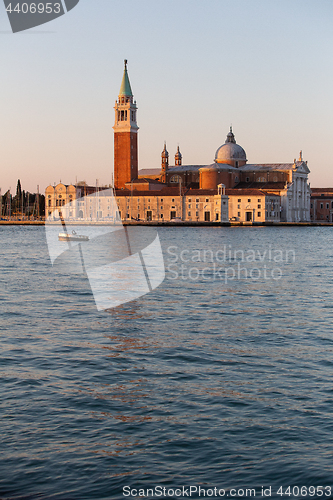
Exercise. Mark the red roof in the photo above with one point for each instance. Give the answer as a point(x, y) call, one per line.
point(247, 192)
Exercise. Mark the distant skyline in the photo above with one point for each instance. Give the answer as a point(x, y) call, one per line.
point(195, 68)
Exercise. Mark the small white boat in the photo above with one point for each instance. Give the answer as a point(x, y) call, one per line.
point(73, 236)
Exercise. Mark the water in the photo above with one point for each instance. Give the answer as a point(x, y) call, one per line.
point(206, 381)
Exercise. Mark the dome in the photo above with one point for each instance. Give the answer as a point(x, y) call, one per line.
point(165, 153)
point(178, 154)
point(230, 151)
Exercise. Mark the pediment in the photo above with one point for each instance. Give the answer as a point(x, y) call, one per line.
point(303, 168)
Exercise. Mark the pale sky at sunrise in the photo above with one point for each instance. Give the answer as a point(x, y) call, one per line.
point(195, 66)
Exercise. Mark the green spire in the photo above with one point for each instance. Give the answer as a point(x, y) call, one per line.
point(125, 88)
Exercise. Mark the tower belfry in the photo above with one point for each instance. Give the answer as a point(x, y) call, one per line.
point(125, 135)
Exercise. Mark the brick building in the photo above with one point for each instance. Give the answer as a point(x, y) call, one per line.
point(321, 205)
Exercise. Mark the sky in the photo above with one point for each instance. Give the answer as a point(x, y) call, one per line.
point(195, 66)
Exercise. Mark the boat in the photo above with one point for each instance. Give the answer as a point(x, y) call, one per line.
point(73, 236)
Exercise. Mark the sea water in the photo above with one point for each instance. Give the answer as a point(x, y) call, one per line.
point(220, 378)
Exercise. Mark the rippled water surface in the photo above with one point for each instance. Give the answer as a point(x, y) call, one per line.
point(214, 379)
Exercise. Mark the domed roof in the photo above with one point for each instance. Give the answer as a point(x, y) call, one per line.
point(165, 153)
point(178, 154)
point(230, 150)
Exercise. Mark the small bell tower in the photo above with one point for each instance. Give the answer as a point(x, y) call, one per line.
point(165, 164)
point(178, 158)
point(125, 135)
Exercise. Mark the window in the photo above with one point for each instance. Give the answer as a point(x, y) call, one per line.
point(197, 214)
point(249, 200)
point(161, 207)
point(197, 205)
point(239, 200)
point(189, 200)
point(161, 200)
point(161, 216)
point(327, 205)
point(238, 206)
point(49, 196)
point(312, 205)
point(321, 205)
point(173, 200)
point(236, 179)
point(259, 200)
point(49, 203)
point(238, 214)
point(189, 214)
point(189, 205)
point(259, 206)
point(148, 201)
point(207, 200)
point(247, 179)
point(259, 214)
point(197, 200)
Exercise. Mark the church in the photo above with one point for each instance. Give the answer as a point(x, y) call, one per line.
point(228, 189)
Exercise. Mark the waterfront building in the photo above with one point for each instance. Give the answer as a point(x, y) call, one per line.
point(170, 203)
point(59, 196)
point(321, 209)
point(227, 189)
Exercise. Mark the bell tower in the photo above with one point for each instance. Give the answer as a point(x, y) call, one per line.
point(178, 157)
point(165, 164)
point(125, 135)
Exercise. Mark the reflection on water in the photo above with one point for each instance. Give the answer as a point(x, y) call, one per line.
point(198, 382)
